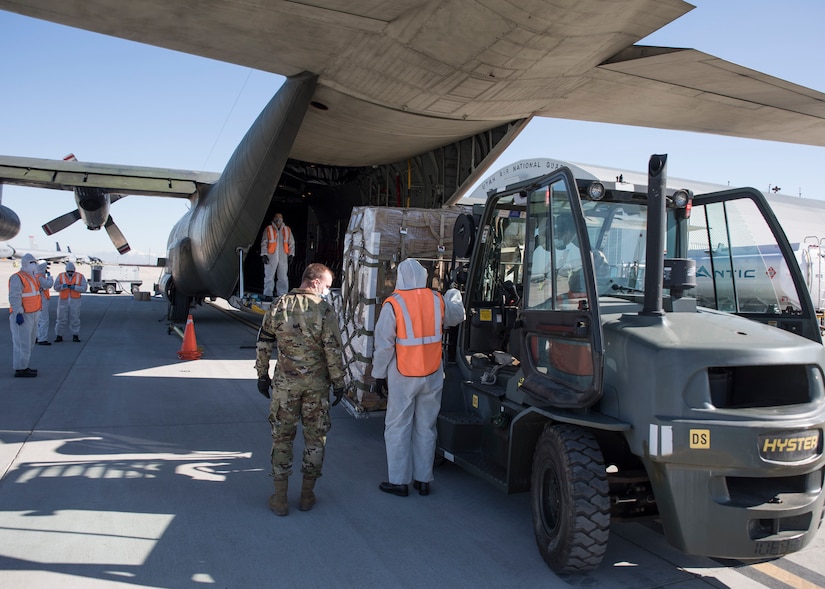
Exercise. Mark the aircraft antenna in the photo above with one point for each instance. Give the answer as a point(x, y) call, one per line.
point(226, 120)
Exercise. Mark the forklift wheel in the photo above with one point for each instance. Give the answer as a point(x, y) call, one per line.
point(570, 498)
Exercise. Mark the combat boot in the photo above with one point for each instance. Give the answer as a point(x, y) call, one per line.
point(307, 496)
point(277, 502)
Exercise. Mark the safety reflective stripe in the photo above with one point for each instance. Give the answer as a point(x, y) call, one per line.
point(272, 239)
point(74, 281)
point(408, 327)
point(416, 354)
point(31, 294)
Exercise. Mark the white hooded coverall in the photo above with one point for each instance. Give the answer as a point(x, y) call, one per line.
point(413, 402)
point(278, 263)
point(22, 336)
point(68, 308)
point(46, 282)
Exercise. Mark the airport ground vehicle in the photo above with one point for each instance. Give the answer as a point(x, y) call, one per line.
point(114, 279)
point(615, 383)
point(593, 375)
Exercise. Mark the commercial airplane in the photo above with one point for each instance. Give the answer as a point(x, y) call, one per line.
point(56, 255)
point(401, 102)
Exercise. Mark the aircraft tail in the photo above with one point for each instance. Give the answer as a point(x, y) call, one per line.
point(229, 215)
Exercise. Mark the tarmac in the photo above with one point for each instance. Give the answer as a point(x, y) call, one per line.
point(123, 466)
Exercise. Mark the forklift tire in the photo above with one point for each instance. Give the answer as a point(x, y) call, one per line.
point(570, 498)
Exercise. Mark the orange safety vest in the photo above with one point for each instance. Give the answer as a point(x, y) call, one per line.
point(31, 293)
point(418, 337)
point(272, 238)
point(74, 281)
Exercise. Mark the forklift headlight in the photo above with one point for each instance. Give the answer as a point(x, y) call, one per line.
point(595, 190)
point(681, 198)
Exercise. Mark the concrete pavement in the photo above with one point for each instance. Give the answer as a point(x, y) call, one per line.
point(123, 466)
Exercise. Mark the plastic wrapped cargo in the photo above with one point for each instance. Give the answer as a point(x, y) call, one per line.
point(377, 239)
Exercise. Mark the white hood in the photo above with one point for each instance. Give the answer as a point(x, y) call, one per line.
point(411, 275)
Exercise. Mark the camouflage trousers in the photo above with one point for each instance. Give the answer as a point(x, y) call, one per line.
point(290, 403)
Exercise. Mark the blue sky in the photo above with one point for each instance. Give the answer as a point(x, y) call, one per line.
point(114, 101)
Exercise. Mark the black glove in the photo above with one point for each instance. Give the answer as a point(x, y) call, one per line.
point(265, 259)
point(338, 394)
point(289, 258)
point(264, 382)
point(381, 388)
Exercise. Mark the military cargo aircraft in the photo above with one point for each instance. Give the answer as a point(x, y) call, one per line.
point(400, 102)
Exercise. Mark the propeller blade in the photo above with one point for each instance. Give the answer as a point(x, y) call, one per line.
point(61, 222)
point(116, 236)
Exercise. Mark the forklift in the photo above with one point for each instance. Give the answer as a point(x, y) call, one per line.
point(598, 372)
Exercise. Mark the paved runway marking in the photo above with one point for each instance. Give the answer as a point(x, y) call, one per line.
point(784, 576)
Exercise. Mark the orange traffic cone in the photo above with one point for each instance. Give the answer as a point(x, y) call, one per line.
point(189, 347)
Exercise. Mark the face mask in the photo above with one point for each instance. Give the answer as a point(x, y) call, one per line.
point(325, 293)
point(70, 273)
point(559, 243)
point(278, 222)
point(32, 268)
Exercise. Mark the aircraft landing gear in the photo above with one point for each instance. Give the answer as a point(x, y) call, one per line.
point(178, 306)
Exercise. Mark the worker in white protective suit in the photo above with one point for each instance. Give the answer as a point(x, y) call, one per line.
point(277, 251)
point(24, 309)
point(69, 285)
point(45, 281)
point(407, 365)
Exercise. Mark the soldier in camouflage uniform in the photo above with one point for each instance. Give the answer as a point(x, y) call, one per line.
point(305, 329)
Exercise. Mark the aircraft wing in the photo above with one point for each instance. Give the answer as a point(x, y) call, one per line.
point(398, 78)
point(685, 89)
point(115, 179)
